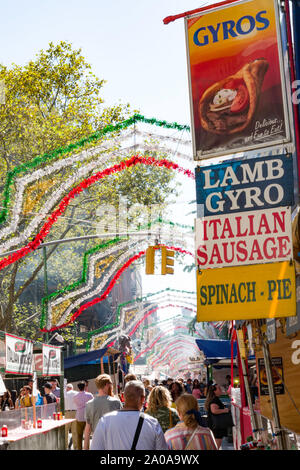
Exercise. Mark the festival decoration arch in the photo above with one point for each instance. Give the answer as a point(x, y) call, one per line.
point(136, 304)
point(39, 191)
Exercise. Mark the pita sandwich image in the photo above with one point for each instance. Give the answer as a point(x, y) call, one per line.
point(228, 106)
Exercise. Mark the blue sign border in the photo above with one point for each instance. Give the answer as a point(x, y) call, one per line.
point(218, 194)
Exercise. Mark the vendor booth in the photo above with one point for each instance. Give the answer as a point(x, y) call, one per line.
point(222, 361)
point(89, 365)
point(36, 426)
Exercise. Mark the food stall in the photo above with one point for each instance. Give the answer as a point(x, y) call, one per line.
point(38, 426)
point(89, 365)
point(222, 359)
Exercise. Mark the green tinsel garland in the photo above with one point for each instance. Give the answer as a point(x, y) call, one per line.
point(24, 167)
point(86, 255)
point(76, 284)
point(120, 306)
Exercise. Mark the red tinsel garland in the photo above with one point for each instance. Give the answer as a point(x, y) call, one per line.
point(109, 288)
point(153, 344)
point(39, 238)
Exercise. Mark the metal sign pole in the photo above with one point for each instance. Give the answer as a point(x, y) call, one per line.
point(253, 417)
point(279, 432)
point(46, 289)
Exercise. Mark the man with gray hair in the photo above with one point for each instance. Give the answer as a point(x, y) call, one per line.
point(128, 428)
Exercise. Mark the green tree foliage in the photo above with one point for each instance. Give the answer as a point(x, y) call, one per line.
point(50, 102)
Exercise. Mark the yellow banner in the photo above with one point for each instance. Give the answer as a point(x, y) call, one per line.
point(246, 292)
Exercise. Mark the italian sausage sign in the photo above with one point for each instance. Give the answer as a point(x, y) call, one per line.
point(237, 86)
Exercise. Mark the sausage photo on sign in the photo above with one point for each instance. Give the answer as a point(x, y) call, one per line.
point(228, 106)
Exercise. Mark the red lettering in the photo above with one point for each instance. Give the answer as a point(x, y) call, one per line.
point(263, 224)
point(227, 228)
point(225, 252)
point(214, 222)
point(255, 249)
point(282, 245)
point(238, 224)
point(215, 253)
point(251, 231)
point(202, 254)
point(241, 250)
point(205, 231)
point(273, 249)
point(281, 222)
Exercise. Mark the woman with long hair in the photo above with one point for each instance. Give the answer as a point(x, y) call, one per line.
point(7, 402)
point(160, 407)
point(176, 390)
point(214, 406)
point(189, 434)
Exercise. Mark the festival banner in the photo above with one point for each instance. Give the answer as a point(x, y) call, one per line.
point(246, 292)
point(51, 360)
point(244, 238)
point(236, 79)
point(19, 355)
point(244, 185)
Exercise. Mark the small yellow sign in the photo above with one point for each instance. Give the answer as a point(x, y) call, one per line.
point(246, 292)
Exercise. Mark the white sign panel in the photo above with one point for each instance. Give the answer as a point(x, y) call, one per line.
point(51, 360)
point(243, 238)
point(2, 386)
point(19, 355)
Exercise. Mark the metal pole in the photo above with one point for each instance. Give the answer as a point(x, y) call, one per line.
point(253, 417)
point(74, 338)
point(293, 79)
point(62, 382)
point(279, 432)
point(46, 335)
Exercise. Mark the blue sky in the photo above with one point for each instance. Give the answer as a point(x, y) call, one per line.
point(126, 42)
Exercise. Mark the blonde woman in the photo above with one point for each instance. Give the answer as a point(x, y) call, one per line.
point(159, 406)
point(188, 434)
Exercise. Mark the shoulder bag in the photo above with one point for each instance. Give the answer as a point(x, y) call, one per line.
point(191, 438)
point(170, 419)
point(138, 431)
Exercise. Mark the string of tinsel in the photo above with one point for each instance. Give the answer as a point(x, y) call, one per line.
point(149, 348)
point(85, 263)
point(124, 304)
point(47, 157)
point(167, 349)
point(83, 278)
point(153, 325)
point(39, 238)
point(108, 289)
point(130, 328)
point(150, 312)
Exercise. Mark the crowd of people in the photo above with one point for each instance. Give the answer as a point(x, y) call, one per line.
point(161, 416)
point(11, 399)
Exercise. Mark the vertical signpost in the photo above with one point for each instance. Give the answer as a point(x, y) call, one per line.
point(240, 102)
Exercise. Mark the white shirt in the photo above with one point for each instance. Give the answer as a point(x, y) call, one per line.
point(116, 430)
point(69, 402)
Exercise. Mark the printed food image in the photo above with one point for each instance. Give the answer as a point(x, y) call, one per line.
point(275, 375)
point(228, 106)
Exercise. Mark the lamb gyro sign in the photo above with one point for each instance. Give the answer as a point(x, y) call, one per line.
point(251, 200)
point(237, 84)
